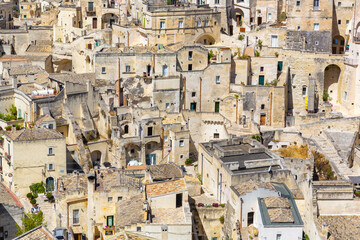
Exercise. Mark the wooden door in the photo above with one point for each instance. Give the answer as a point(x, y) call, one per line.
point(94, 23)
point(262, 119)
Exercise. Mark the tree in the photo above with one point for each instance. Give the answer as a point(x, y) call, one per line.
point(30, 221)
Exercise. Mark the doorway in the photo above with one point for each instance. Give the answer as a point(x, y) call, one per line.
point(217, 107)
point(179, 200)
point(262, 119)
point(250, 219)
point(150, 159)
point(261, 80)
point(148, 70)
point(259, 20)
point(94, 23)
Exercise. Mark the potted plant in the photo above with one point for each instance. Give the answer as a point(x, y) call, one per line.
point(8, 128)
point(188, 162)
point(276, 54)
point(49, 196)
point(29, 196)
point(33, 202)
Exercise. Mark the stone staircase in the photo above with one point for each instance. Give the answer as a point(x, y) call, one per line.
point(338, 164)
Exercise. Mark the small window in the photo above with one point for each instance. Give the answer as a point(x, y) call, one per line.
point(181, 24)
point(339, 4)
point(298, 27)
point(119, 199)
point(127, 68)
point(126, 129)
point(206, 23)
point(217, 79)
point(216, 135)
point(190, 55)
point(339, 22)
point(138, 229)
point(193, 94)
point(76, 219)
point(304, 90)
point(132, 151)
point(347, 21)
point(150, 131)
point(269, 16)
point(181, 156)
point(298, 3)
point(316, 27)
point(190, 67)
point(316, 43)
point(181, 143)
point(51, 151)
point(261, 69)
point(274, 41)
point(103, 70)
point(165, 138)
point(51, 167)
point(217, 1)
point(278, 236)
point(162, 25)
point(51, 126)
point(167, 105)
point(262, 106)
point(110, 199)
point(293, 78)
point(149, 146)
point(198, 24)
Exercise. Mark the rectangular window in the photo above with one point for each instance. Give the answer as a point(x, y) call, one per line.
point(261, 80)
point(51, 167)
point(162, 25)
point(217, 1)
point(262, 106)
point(110, 221)
point(165, 70)
point(193, 94)
point(150, 131)
point(274, 41)
point(198, 24)
point(339, 22)
point(278, 236)
point(292, 78)
point(217, 79)
point(103, 70)
point(119, 199)
point(189, 67)
point(339, 4)
point(206, 23)
point(347, 21)
point(165, 138)
point(167, 105)
point(193, 106)
point(181, 143)
point(304, 90)
point(127, 68)
point(298, 3)
point(217, 107)
point(216, 135)
point(316, 4)
point(50, 151)
point(180, 24)
point(110, 199)
point(179, 200)
point(76, 219)
point(190, 55)
point(316, 27)
point(261, 69)
point(90, 6)
point(24, 16)
point(269, 16)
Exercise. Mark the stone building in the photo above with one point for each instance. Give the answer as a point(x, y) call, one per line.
point(29, 9)
point(44, 157)
point(6, 16)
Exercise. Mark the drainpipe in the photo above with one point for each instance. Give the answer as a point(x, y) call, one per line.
point(184, 104)
point(162, 139)
point(236, 117)
point(241, 212)
point(270, 107)
point(200, 96)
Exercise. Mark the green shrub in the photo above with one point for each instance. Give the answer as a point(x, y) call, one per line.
point(259, 43)
point(188, 161)
point(241, 37)
point(37, 188)
point(357, 192)
point(222, 219)
point(325, 96)
point(282, 17)
point(210, 54)
point(33, 201)
point(257, 53)
point(29, 195)
point(257, 137)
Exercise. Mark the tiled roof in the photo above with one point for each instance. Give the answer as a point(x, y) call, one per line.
point(250, 186)
point(130, 211)
point(154, 189)
point(109, 178)
point(342, 227)
point(25, 70)
point(277, 202)
point(34, 134)
point(279, 209)
point(38, 233)
point(44, 118)
point(6, 197)
point(75, 78)
point(72, 183)
point(164, 172)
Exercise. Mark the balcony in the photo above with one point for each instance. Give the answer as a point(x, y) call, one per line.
point(90, 12)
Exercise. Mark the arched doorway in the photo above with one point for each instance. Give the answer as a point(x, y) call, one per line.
point(206, 39)
point(87, 64)
point(50, 184)
point(96, 158)
point(331, 80)
point(108, 19)
point(238, 16)
point(338, 45)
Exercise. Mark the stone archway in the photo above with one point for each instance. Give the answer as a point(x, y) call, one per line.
point(338, 45)
point(206, 39)
point(357, 33)
point(96, 158)
point(108, 19)
point(238, 16)
point(331, 82)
